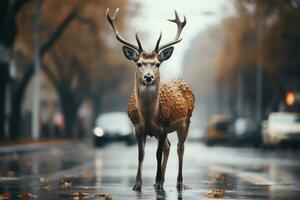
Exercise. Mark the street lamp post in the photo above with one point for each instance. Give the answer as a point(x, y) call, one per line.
point(259, 71)
point(36, 79)
point(259, 85)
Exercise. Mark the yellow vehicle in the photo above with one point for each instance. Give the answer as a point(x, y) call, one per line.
point(220, 130)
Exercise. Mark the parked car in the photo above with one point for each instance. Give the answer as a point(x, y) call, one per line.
point(247, 132)
point(195, 134)
point(219, 131)
point(112, 127)
point(281, 127)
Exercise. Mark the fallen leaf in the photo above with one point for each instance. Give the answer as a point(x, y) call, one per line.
point(216, 193)
point(101, 195)
point(5, 196)
point(105, 196)
point(26, 196)
point(80, 195)
point(108, 197)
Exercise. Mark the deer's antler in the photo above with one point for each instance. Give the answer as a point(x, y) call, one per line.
point(180, 26)
point(112, 21)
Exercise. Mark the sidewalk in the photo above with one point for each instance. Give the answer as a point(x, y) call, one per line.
point(31, 145)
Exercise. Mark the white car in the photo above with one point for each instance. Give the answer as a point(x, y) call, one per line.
point(281, 127)
point(113, 126)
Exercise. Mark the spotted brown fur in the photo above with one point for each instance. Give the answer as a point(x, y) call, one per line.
point(176, 101)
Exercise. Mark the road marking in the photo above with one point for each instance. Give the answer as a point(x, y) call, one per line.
point(249, 177)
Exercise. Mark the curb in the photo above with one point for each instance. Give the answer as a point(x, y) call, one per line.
point(25, 148)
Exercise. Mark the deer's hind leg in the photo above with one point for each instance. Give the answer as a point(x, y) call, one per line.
point(182, 133)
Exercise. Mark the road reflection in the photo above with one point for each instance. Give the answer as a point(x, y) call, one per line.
point(209, 172)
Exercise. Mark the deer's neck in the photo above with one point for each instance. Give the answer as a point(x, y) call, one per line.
point(147, 100)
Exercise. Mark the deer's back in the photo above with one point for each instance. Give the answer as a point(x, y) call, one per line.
point(176, 102)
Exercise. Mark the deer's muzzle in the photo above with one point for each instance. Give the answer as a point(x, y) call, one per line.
point(148, 79)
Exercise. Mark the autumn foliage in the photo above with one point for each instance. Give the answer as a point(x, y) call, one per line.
point(81, 64)
point(263, 34)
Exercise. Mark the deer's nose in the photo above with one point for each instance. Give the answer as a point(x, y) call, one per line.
point(148, 78)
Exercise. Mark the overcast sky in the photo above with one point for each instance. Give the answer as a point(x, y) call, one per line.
point(200, 14)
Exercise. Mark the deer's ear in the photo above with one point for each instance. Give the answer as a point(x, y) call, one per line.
point(165, 54)
point(130, 53)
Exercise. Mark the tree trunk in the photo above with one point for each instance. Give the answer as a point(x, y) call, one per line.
point(4, 77)
point(8, 30)
point(18, 93)
point(16, 104)
point(69, 117)
point(15, 116)
point(70, 109)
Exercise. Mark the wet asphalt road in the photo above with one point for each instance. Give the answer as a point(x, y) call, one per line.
point(77, 171)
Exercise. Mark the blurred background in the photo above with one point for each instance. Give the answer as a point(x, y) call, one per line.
point(61, 66)
point(63, 75)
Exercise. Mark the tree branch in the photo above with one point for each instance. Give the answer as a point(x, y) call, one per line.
point(58, 32)
point(19, 4)
point(45, 47)
point(88, 21)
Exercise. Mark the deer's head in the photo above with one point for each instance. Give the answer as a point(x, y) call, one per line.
point(147, 63)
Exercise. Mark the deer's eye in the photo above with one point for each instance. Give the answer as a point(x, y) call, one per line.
point(157, 64)
point(139, 64)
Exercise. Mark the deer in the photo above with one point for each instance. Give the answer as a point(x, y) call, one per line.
point(157, 107)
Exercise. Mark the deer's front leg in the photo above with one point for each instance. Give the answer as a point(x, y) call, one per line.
point(141, 140)
point(159, 172)
point(166, 152)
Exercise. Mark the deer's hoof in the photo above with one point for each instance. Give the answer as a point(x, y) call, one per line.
point(179, 186)
point(159, 187)
point(137, 188)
